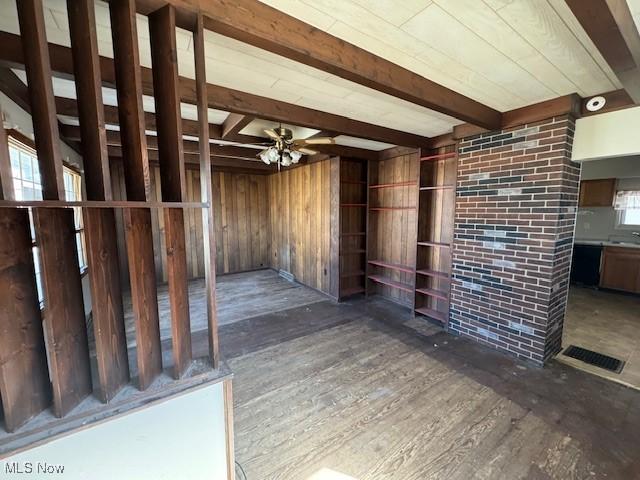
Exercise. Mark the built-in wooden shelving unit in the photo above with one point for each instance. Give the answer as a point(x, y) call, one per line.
point(435, 222)
point(353, 227)
point(391, 227)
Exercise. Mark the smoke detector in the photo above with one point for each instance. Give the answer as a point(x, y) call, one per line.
point(596, 103)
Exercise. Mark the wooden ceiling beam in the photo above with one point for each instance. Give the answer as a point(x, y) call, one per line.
point(258, 24)
point(222, 98)
point(193, 159)
point(233, 124)
point(612, 29)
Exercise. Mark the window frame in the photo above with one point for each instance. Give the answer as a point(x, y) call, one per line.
point(75, 177)
point(620, 217)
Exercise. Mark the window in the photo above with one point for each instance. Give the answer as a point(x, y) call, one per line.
point(28, 186)
point(628, 206)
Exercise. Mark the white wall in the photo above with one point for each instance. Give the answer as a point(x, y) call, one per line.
point(15, 117)
point(613, 134)
point(180, 438)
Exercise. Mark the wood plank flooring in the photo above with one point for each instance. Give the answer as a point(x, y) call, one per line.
point(353, 391)
point(606, 322)
point(239, 295)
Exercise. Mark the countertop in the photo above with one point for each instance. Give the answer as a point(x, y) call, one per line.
point(606, 243)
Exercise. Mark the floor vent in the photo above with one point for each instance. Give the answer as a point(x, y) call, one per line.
point(594, 358)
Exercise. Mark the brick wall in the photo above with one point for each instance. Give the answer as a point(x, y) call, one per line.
point(516, 202)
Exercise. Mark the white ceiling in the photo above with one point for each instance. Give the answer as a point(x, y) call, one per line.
point(504, 53)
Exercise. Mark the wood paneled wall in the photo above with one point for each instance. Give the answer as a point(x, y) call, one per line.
point(241, 223)
point(391, 235)
point(301, 231)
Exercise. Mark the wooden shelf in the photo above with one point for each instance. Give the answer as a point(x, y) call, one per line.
point(391, 283)
point(381, 209)
point(354, 182)
point(353, 252)
point(439, 156)
point(358, 273)
point(428, 312)
point(431, 292)
point(393, 185)
point(353, 204)
point(392, 266)
point(438, 187)
point(347, 292)
point(433, 273)
point(353, 234)
point(434, 244)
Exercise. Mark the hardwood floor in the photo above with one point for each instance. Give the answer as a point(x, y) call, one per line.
point(339, 391)
point(239, 296)
point(606, 322)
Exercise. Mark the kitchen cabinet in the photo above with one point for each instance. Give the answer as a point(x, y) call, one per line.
point(621, 269)
point(597, 193)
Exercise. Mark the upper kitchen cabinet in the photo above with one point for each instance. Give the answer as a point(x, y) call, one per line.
point(597, 193)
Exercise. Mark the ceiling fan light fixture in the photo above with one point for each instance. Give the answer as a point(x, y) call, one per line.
point(295, 156)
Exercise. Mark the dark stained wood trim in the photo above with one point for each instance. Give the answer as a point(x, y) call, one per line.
point(395, 152)
point(226, 99)
point(129, 89)
point(64, 320)
point(178, 289)
point(265, 27)
point(106, 301)
point(613, 31)
point(6, 175)
point(84, 45)
point(193, 159)
point(43, 111)
point(233, 124)
point(206, 189)
point(615, 100)
point(164, 57)
point(144, 296)
point(565, 105)
point(138, 230)
point(24, 378)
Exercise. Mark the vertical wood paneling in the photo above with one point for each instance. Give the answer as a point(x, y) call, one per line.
point(392, 233)
point(300, 213)
point(64, 321)
point(24, 379)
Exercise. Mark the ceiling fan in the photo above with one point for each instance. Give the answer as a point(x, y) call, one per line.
point(284, 150)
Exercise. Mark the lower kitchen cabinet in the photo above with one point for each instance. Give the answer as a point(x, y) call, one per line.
point(621, 269)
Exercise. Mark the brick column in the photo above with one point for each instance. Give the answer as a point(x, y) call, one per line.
point(516, 201)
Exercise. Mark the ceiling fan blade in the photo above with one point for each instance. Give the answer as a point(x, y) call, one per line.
point(306, 151)
point(320, 141)
point(272, 133)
